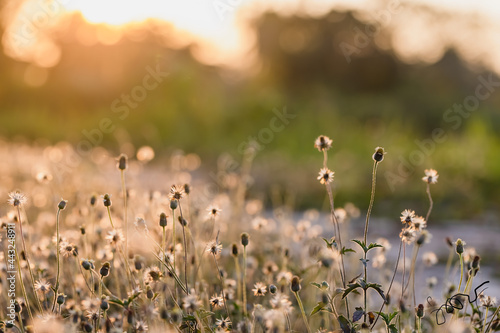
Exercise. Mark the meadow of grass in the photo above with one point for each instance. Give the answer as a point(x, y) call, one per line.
point(110, 244)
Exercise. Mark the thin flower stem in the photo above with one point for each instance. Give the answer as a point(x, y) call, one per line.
point(372, 198)
point(244, 283)
point(301, 306)
point(118, 246)
point(485, 319)
point(461, 271)
point(404, 272)
point(185, 248)
point(221, 278)
point(431, 203)
point(163, 242)
point(390, 284)
point(26, 253)
point(23, 290)
point(238, 277)
point(492, 319)
point(173, 238)
point(125, 212)
point(336, 226)
point(56, 287)
point(368, 213)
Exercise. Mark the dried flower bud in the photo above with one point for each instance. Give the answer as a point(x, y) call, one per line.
point(182, 221)
point(295, 285)
point(149, 293)
point(402, 306)
point(273, 289)
point(104, 304)
point(378, 156)
point(173, 204)
point(245, 239)
point(138, 264)
point(459, 246)
point(107, 200)
point(187, 188)
point(82, 229)
point(87, 264)
point(475, 265)
point(420, 311)
point(163, 220)
point(122, 162)
point(235, 250)
point(62, 204)
point(104, 271)
point(93, 200)
point(61, 298)
point(163, 313)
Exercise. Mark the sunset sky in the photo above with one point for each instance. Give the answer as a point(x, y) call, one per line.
point(219, 26)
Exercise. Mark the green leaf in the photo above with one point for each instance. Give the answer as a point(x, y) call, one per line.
point(350, 288)
point(361, 243)
point(117, 301)
point(345, 325)
point(345, 250)
point(393, 328)
point(373, 245)
point(357, 314)
point(392, 315)
point(204, 314)
point(317, 285)
point(318, 308)
point(330, 243)
point(378, 288)
point(385, 317)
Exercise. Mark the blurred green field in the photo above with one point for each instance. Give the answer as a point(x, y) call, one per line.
point(375, 100)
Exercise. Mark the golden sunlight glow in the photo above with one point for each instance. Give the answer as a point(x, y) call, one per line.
point(218, 27)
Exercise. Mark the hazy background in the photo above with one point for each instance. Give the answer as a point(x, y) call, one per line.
point(367, 74)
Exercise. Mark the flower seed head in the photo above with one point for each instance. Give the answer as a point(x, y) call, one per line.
point(273, 289)
point(93, 200)
point(235, 250)
point(420, 311)
point(323, 143)
point(173, 204)
point(122, 162)
point(378, 156)
point(163, 220)
point(61, 298)
point(62, 204)
point(187, 188)
point(459, 246)
point(295, 285)
point(104, 305)
point(104, 271)
point(245, 239)
point(431, 176)
point(107, 200)
point(325, 176)
point(182, 221)
point(17, 199)
point(176, 192)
